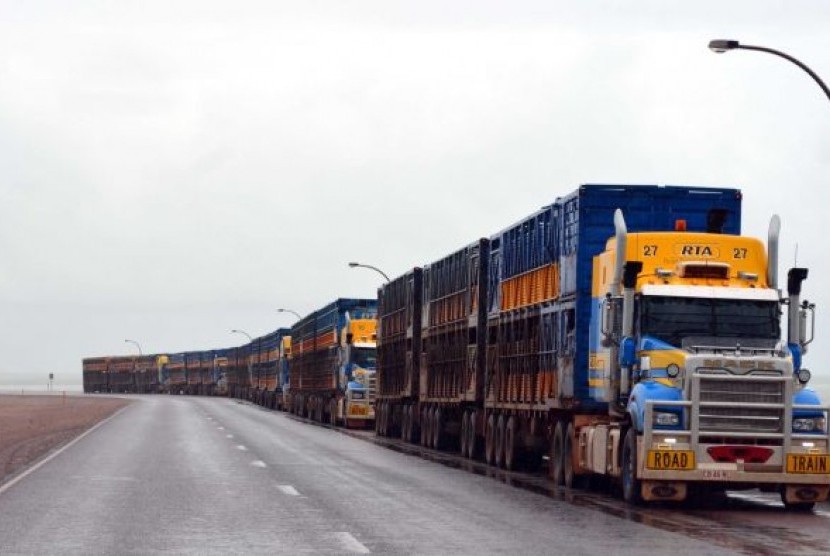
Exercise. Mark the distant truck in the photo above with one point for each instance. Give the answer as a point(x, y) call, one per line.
point(624, 331)
point(267, 359)
point(332, 366)
point(94, 371)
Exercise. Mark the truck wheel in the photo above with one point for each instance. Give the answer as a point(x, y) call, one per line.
point(438, 429)
point(333, 412)
point(797, 506)
point(471, 436)
point(510, 444)
point(465, 422)
point(631, 485)
point(499, 457)
point(427, 432)
point(569, 477)
point(404, 423)
point(557, 447)
point(490, 440)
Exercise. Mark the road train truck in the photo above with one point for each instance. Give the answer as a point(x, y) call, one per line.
point(629, 332)
point(332, 366)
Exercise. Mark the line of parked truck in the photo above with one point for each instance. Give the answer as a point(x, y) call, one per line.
point(628, 332)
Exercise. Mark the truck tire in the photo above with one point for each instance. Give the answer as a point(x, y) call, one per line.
point(465, 422)
point(557, 447)
point(405, 423)
point(426, 428)
point(568, 476)
point(438, 429)
point(510, 448)
point(472, 452)
point(490, 440)
point(499, 456)
point(333, 412)
point(631, 485)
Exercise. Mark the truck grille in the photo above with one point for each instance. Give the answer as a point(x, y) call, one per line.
point(739, 418)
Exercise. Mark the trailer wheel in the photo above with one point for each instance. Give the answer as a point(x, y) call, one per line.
point(631, 485)
point(490, 440)
point(333, 412)
point(412, 430)
point(465, 423)
point(471, 436)
point(510, 448)
point(557, 447)
point(426, 432)
point(404, 423)
point(499, 456)
point(438, 429)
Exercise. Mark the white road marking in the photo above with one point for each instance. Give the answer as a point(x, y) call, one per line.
point(350, 543)
point(228, 436)
point(55, 454)
point(258, 463)
point(220, 428)
point(241, 447)
point(288, 489)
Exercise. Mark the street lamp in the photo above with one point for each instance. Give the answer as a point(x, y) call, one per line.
point(235, 331)
point(136, 345)
point(376, 269)
point(720, 46)
point(295, 313)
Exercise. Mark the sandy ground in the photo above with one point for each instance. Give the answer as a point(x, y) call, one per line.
point(31, 426)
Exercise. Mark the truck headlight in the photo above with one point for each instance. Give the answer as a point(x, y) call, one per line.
point(672, 370)
point(809, 424)
point(665, 419)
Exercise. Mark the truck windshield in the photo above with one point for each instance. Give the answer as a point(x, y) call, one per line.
point(671, 319)
point(364, 357)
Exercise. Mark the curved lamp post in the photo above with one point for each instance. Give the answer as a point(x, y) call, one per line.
point(136, 344)
point(721, 45)
point(376, 269)
point(235, 331)
point(295, 313)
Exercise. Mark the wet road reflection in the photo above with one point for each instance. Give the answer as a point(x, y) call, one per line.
point(751, 522)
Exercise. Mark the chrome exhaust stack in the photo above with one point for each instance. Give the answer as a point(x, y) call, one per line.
point(772, 251)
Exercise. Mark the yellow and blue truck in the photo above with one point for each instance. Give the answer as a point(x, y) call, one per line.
point(624, 331)
point(332, 366)
point(658, 349)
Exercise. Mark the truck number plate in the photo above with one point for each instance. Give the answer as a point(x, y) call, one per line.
point(808, 463)
point(670, 460)
point(358, 410)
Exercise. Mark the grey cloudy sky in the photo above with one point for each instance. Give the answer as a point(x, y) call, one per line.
point(172, 170)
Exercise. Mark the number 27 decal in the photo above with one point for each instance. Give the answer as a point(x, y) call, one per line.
point(649, 250)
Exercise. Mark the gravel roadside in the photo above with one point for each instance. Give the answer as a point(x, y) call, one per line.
point(31, 426)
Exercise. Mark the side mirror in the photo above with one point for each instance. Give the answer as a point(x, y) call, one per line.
point(628, 352)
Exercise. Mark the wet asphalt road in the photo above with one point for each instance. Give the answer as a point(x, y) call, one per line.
point(219, 476)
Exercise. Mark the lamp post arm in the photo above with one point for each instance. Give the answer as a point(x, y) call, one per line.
point(376, 269)
point(798, 63)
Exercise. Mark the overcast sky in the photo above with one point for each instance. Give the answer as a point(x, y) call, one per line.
point(172, 170)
